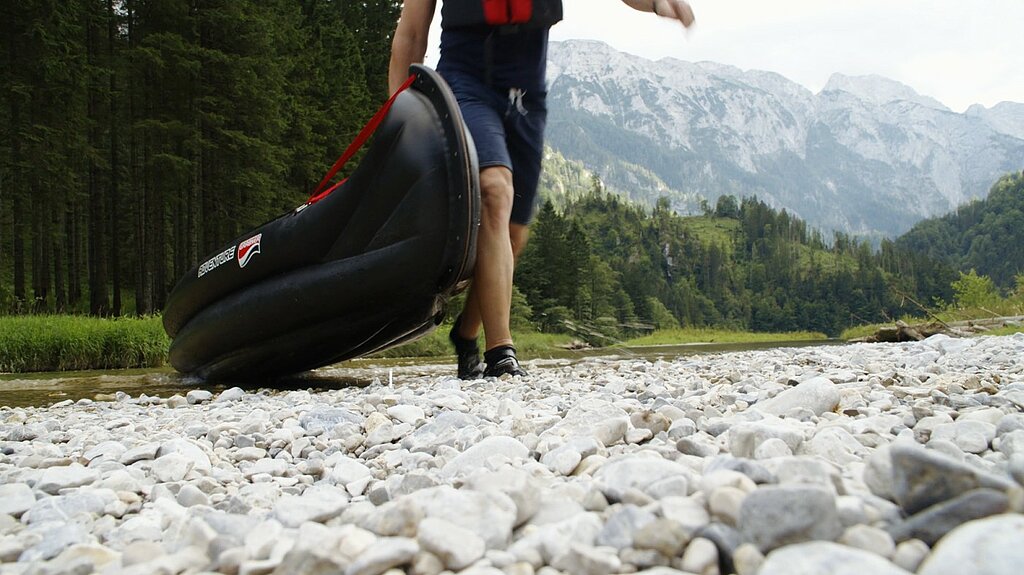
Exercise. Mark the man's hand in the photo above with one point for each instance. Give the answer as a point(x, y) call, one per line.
point(675, 9)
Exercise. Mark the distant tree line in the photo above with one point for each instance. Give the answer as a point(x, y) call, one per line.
point(137, 135)
point(986, 235)
point(611, 264)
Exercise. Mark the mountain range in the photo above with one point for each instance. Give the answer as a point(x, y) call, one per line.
point(866, 155)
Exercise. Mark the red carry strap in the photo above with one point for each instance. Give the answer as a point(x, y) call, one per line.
point(357, 143)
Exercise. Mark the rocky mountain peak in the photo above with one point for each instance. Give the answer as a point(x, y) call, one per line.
point(866, 155)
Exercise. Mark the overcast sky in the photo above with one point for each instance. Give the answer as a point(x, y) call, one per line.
point(959, 52)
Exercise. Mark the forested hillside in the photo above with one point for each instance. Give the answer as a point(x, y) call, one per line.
point(137, 135)
point(608, 262)
point(985, 235)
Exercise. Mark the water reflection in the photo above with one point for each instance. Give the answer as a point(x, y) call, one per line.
point(44, 389)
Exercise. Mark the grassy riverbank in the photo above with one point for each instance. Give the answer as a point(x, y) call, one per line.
point(66, 343)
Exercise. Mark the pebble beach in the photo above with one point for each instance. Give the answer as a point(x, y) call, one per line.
point(885, 459)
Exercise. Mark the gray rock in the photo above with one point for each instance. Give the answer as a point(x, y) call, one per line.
point(143, 452)
point(1016, 467)
point(726, 540)
point(775, 516)
point(756, 471)
point(347, 470)
point(520, 486)
point(319, 503)
point(172, 467)
point(64, 507)
point(489, 514)
point(112, 450)
point(545, 543)
point(662, 535)
point(587, 560)
point(771, 448)
point(869, 538)
point(16, 498)
point(496, 450)
point(25, 432)
point(697, 446)
point(449, 428)
point(971, 436)
point(686, 512)
point(399, 518)
point(878, 473)
point(190, 450)
point(197, 396)
point(817, 394)
point(321, 550)
point(323, 419)
point(701, 556)
point(189, 495)
point(619, 528)
point(1012, 444)
point(563, 460)
point(922, 478)
point(744, 438)
point(54, 479)
point(909, 554)
point(619, 475)
point(407, 413)
point(54, 540)
point(651, 421)
point(230, 394)
point(725, 502)
point(455, 546)
point(991, 546)
point(747, 559)
point(834, 444)
point(681, 428)
point(383, 555)
point(591, 417)
point(1010, 422)
point(819, 557)
point(936, 521)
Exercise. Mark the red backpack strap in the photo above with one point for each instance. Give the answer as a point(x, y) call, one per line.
point(322, 191)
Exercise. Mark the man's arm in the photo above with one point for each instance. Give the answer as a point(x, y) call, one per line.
point(675, 9)
point(410, 42)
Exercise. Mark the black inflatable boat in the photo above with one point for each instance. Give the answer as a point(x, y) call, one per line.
point(363, 266)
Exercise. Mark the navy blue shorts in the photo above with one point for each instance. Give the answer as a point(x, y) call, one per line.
point(508, 130)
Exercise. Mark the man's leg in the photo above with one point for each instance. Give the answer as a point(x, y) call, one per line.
point(490, 295)
point(470, 320)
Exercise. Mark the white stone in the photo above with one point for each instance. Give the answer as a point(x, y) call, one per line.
point(991, 546)
point(826, 557)
point(456, 546)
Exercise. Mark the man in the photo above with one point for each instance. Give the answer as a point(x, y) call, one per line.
point(493, 55)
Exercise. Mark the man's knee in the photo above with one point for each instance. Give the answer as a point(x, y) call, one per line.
point(496, 194)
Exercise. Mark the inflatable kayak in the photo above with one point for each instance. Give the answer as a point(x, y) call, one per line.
point(365, 265)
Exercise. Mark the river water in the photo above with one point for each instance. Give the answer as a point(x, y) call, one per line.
point(44, 389)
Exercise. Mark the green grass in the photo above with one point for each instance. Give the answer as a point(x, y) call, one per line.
point(711, 230)
point(708, 335)
point(436, 344)
point(1008, 330)
point(69, 343)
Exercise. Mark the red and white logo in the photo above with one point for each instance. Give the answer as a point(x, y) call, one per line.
point(247, 249)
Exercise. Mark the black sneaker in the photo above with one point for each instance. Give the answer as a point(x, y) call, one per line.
point(470, 364)
point(502, 361)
